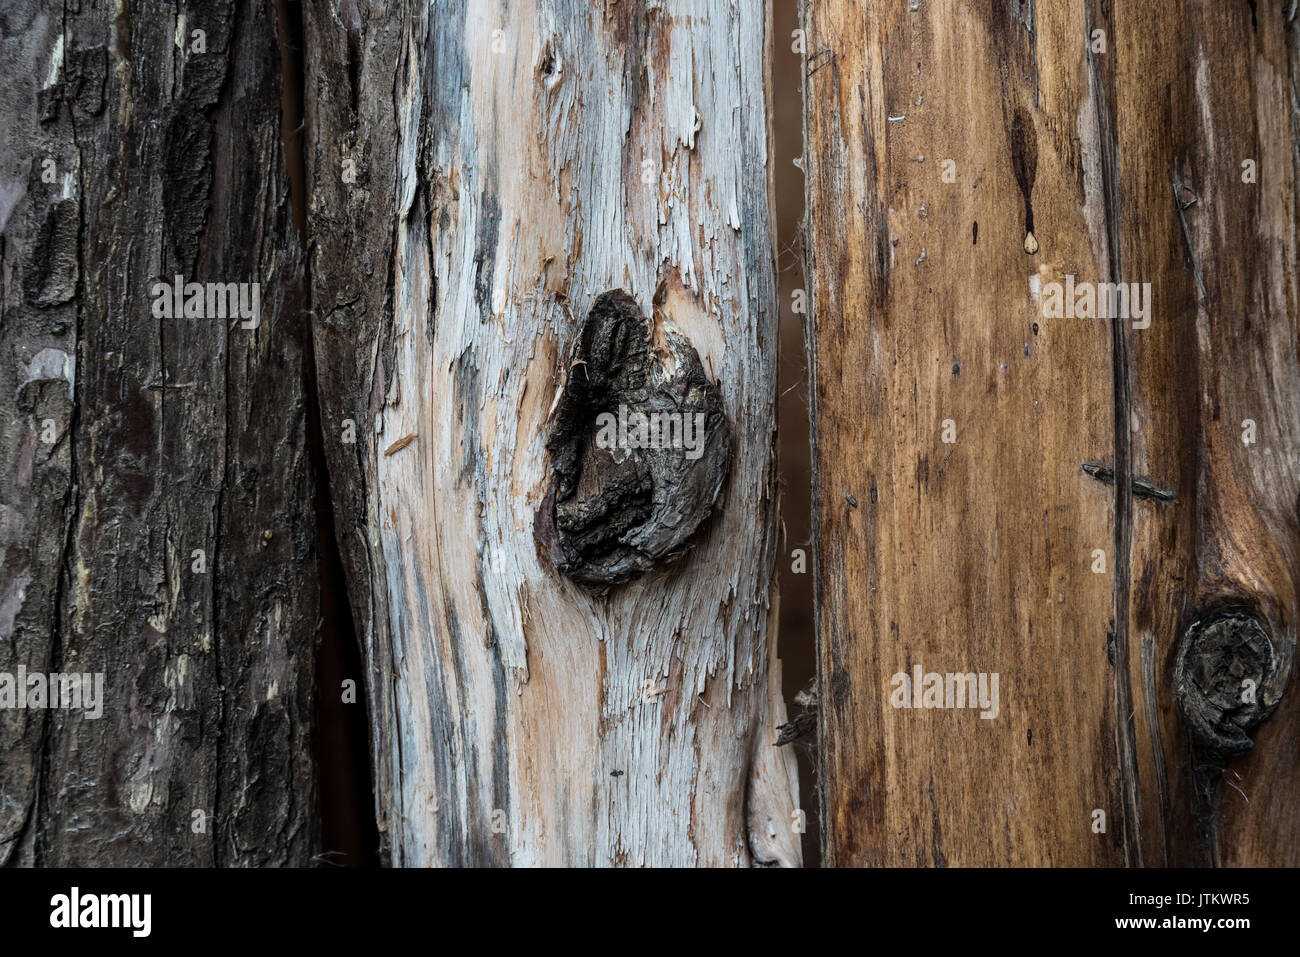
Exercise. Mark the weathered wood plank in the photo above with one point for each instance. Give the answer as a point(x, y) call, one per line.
point(979, 556)
point(970, 556)
point(1202, 88)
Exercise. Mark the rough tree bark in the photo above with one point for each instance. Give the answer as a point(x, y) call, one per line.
point(142, 141)
point(503, 167)
point(1107, 156)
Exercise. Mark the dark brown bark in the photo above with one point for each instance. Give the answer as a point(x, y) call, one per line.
point(174, 435)
point(350, 118)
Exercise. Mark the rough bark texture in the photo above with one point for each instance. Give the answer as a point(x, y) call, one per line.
point(170, 436)
point(499, 156)
point(1120, 691)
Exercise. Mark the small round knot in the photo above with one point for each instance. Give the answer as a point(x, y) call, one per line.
point(1226, 680)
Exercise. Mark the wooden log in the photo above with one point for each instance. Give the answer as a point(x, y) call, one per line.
point(525, 162)
point(1207, 129)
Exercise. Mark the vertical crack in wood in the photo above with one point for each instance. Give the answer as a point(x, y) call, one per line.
point(1025, 14)
point(820, 622)
point(346, 794)
point(1152, 703)
point(1181, 206)
point(1024, 164)
point(1125, 731)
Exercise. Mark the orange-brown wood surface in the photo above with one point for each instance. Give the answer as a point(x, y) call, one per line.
point(1139, 613)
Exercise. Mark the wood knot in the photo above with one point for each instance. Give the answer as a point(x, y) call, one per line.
point(1227, 679)
point(639, 447)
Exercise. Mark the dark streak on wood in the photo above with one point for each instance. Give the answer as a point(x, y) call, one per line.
point(1141, 487)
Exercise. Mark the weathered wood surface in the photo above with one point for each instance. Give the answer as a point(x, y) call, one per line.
point(169, 436)
point(1216, 85)
point(499, 155)
point(977, 556)
point(478, 176)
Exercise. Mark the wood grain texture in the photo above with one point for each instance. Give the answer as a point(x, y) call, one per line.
point(977, 556)
point(517, 719)
point(172, 435)
point(1201, 88)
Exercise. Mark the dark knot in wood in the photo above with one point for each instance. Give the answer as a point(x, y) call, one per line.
point(1227, 679)
point(639, 447)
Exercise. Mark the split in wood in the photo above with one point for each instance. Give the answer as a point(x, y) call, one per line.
point(1182, 206)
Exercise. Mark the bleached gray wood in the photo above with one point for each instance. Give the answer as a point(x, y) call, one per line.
point(499, 153)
